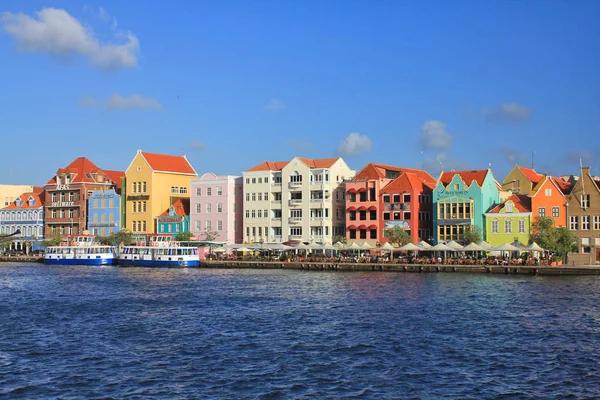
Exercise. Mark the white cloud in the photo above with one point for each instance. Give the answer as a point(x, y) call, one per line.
point(197, 146)
point(59, 34)
point(115, 101)
point(507, 113)
point(354, 144)
point(434, 136)
point(275, 105)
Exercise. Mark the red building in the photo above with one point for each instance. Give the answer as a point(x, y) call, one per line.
point(66, 195)
point(381, 196)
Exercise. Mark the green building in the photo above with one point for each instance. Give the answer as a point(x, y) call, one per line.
point(509, 221)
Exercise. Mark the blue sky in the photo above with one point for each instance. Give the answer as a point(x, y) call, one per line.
point(451, 84)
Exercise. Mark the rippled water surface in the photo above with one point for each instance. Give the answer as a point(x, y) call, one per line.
point(109, 332)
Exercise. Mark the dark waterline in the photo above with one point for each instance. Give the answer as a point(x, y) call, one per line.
point(109, 332)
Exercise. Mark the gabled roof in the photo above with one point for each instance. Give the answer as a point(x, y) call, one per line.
point(114, 176)
point(182, 208)
point(378, 171)
point(531, 175)
point(25, 199)
point(467, 176)
point(169, 163)
point(408, 179)
point(279, 165)
point(564, 186)
point(80, 171)
point(521, 202)
point(38, 189)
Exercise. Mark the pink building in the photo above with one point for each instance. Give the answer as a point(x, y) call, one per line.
point(216, 208)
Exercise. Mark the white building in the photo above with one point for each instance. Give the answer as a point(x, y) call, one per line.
point(297, 200)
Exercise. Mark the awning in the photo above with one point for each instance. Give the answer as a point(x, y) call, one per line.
point(362, 189)
point(362, 227)
point(351, 208)
point(351, 227)
point(352, 190)
point(362, 208)
point(372, 208)
point(373, 226)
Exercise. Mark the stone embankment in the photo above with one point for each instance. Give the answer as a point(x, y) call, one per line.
point(25, 259)
point(336, 266)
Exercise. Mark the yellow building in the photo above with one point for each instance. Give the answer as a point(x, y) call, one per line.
point(152, 183)
point(9, 193)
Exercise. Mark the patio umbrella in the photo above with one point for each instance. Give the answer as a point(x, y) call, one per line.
point(244, 249)
point(442, 247)
point(518, 244)
point(424, 245)
point(534, 247)
point(454, 245)
point(409, 247)
point(365, 246)
point(353, 246)
point(219, 250)
point(327, 246)
point(339, 245)
point(506, 247)
point(473, 247)
point(301, 246)
point(485, 245)
point(387, 246)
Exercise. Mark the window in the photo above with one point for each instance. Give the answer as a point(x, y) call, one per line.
point(266, 180)
point(521, 226)
point(144, 187)
point(508, 226)
point(71, 196)
point(266, 213)
point(253, 180)
point(585, 222)
point(259, 213)
point(247, 213)
point(248, 181)
point(95, 204)
point(208, 208)
point(134, 207)
point(253, 196)
point(144, 204)
point(198, 208)
point(396, 198)
point(548, 192)
point(198, 226)
point(494, 226)
point(209, 191)
point(508, 208)
point(53, 213)
point(407, 215)
point(139, 187)
point(219, 190)
point(542, 211)
point(209, 225)
point(574, 222)
point(585, 201)
point(174, 190)
point(259, 196)
point(555, 212)
point(219, 207)
point(596, 222)
point(386, 198)
point(219, 226)
point(144, 226)
point(266, 196)
point(253, 213)
point(198, 191)
point(296, 231)
point(183, 190)
point(133, 189)
point(247, 196)
point(456, 186)
point(406, 198)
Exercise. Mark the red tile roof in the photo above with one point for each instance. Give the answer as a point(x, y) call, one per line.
point(407, 180)
point(378, 171)
point(522, 203)
point(37, 196)
point(531, 175)
point(169, 163)
point(182, 208)
point(114, 176)
point(78, 170)
point(467, 176)
point(279, 165)
point(564, 186)
point(38, 189)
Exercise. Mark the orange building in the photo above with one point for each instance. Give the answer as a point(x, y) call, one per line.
point(549, 198)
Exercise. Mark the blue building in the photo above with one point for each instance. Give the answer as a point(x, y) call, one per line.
point(176, 219)
point(25, 214)
point(104, 212)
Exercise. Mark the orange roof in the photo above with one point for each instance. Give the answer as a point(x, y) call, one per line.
point(467, 176)
point(407, 180)
point(564, 186)
point(114, 176)
point(378, 171)
point(522, 203)
point(79, 170)
point(279, 165)
point(37, 196)
point(38, 189)
point(182, 208)
point(169, 163)
point(531, 175)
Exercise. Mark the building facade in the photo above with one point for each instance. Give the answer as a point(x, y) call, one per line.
point(9, 193)
point(460, 200)
point(521, 180)
point(583, 214)
point(217, 208)
point(509, 221)
point(152, 183)
point(104, 216)
point(24, 214)
point(67, 193)
point(381, 197)
point(301, 200)
point(176, 219)
point(549, 199)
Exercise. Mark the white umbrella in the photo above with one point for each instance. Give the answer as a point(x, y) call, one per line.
point(353, 246)
point(424, 245)
point(339, 245)
point(387, 246)
point(473, 247)
point(534, 247)
point(219, 250)
point(506, 247)
point(486, 245)
point(454, 245)
point(441, 247)
point(301, 246)
point(409, 247)
point(518, 244)
point(314, 246)
point(278, 246)
point(243, 249)
point(366, 246)
point(327, 246)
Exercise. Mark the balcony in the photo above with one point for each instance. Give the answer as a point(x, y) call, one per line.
point(294, 184)
point(276, 219)
point(276, 184)
point(275, 238)
point(276, 203)
point(313, 201)
point(316, 185)
point(295, 237)
point(295, 220)
point(317, 237)
point(295, 202)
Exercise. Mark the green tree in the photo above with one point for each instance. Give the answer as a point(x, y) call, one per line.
point(123, 237)
point(472, 234)
point(184, 236)
point(564, 241)
point(53, 240)
point(397, 235)
point(542, 232)
point(339, 238)
point(209, 235)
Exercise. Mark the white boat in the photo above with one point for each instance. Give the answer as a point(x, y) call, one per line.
point(80, 250)
point(159, 251)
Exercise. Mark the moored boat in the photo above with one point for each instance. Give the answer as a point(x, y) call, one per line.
point(80, 250)
point(159, 251)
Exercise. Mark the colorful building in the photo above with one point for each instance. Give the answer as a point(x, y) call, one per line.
point(381, 197)
point(301, 200)
point(460, 200)
point(176, 219)
point(104, 212)
point(583, 214)
point(217, 208)
point(509, 221)
point(25, 214)
point(67, 193)
point(10, 193)
point(152, 183)
point(521, 180)
point(549, 199)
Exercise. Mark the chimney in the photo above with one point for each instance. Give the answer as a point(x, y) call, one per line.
point(585, 170)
